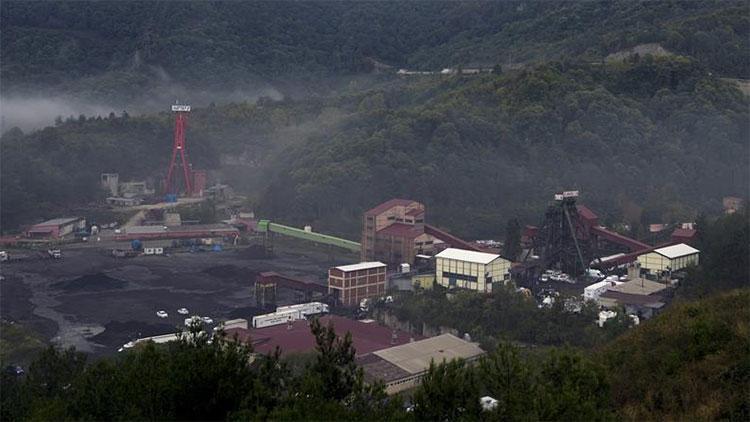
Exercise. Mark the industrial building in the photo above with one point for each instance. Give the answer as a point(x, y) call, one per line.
point(56, 228)
point(178, 232)
point(295, 337)
point(669, 258)
point(637, 295)
point(470, 269)
point(349, 284)
point(402, 367)
point(395, 232)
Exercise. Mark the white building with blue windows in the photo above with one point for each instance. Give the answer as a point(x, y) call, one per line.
point(459, 268)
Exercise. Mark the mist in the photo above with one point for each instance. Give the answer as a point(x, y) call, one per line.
point(36, 109)
point(29, 113)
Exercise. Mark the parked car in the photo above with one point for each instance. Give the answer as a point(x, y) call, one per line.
point(14, 370)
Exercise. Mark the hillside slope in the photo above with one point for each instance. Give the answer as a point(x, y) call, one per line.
point(110, 48)
point(662, 136)
point(478, 150)
point(693, 362)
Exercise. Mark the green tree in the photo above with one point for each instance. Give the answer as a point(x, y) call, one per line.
point(572, 387)
point(511, 381)
point(449, 391)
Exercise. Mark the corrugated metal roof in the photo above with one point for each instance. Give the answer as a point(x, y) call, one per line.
point(401, 230)
point(360, 266)
point(449, 238)
point(367, 337)
point(676, 251)
point(416, 357)
point(683, 233)
point(468, 256)
point(385, 206)
point(144, 229)
point(58, 221)
point(639, 286)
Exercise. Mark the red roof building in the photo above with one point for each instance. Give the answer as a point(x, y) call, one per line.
point(395, 231)
point(680, 235)
point(296, 337)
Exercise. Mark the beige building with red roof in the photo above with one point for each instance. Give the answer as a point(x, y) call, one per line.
point(395, 231)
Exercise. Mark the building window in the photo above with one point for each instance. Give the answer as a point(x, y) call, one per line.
point(464, 277)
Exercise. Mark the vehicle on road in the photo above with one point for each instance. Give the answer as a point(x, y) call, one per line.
point(54, 253)
point(162, 314)
point(183, 311)
point(4, 256)
point(207, 320)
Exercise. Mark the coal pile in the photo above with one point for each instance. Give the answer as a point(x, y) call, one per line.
point(90, 283)
point(247, 312)
point(225, 271)
point(254, 252)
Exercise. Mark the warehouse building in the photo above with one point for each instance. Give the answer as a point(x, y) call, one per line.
point(470, 269)
point(56, 228)
point(395, 232)
point(349, 284)
point(295, 337)
point(669, 259)
point(403, 367)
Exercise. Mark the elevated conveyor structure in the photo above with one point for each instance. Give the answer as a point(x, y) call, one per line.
point(269, 228)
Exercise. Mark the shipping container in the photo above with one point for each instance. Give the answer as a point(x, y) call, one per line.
point(312, 308)
point(276, 318)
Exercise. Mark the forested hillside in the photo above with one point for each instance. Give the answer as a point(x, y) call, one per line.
point(477, 150)
point(662, 135)
point(647, 140)
point(110, 48)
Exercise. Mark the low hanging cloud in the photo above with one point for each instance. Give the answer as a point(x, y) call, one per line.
point(34, 112)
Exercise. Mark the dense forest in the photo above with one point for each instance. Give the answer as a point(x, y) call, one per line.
point(647, 140)
point(91, 46)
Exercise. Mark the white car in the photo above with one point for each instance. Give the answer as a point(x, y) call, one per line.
point(162, 314)
point(207, 320)
point(183, 311)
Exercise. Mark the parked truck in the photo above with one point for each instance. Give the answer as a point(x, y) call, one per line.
point(307, 309)
point(276, 318)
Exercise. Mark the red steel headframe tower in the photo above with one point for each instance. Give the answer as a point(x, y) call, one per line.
point(179, 147)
